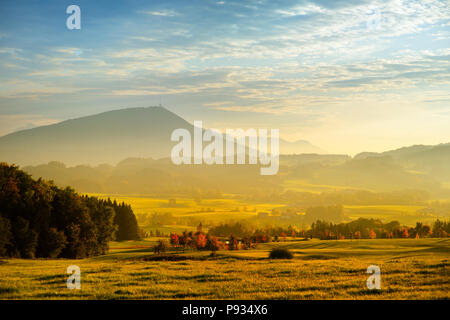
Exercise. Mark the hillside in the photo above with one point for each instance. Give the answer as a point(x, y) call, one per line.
point(107, 137)
point(102, 138)
point(425, 159)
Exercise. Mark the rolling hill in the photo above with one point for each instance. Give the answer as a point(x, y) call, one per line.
point(107, 137)
point(433, 160)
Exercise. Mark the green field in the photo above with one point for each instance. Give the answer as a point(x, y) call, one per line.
point(403, 213)
point(208, 211)
point(188, 207)
point(304, 186)
point(226, 209)
point(410, 269)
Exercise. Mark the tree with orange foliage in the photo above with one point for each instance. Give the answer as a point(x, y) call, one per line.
point(200, 241)
point(214, 245)
point(187, 241)
point(372, 234)
point(357, 235)
point(405, 233)
point(174, 239)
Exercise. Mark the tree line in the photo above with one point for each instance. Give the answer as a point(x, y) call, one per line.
point(41, 220)
point(236, 236)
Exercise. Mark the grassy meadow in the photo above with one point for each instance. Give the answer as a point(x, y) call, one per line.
point(320, 269)
point(410, 269)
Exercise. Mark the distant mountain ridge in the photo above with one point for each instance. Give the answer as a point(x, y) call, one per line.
point(417, 155)
point(299, 146)
point(107, 137)
point(415, 151)
point(430, 159)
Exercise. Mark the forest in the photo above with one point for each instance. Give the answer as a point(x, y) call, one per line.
point(38, 219)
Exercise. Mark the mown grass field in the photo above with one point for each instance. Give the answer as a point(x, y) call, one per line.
point(410, 269)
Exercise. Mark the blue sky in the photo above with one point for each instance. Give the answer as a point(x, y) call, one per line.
point(346, 75)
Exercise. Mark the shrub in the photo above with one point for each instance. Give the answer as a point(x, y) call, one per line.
point(280, 253)
point(160, 247)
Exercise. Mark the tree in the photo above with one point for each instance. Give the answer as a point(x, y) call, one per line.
point(126, 221)
point(25, 238)
point(200, 241)
point(405, 233)
point(213, 244)
point(174, 239)
point(232, 243)
point(426, 231)
point(372, 234)
point(51, 243)
point(5, 236)
point(160, 247)
point(38, 219)
point(185, 240)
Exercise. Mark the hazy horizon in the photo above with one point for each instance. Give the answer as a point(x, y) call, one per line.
point(223, 131)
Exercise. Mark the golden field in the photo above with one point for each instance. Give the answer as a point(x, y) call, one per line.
point(410, 269)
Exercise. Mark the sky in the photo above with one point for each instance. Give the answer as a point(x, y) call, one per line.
point(348, 76)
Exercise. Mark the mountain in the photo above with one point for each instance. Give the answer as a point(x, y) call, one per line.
point(426, 159)
point(298, 147)
point(102, 138)
point(400, 153)
point(107, 137)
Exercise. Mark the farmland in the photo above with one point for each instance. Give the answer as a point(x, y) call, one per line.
point(410, 269)
point(232, 208)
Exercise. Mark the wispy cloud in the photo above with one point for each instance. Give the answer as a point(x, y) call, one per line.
point(161, 13)
point(330, 62)
point(16, 122)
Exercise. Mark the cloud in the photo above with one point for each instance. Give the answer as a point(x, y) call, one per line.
point(321, 60)
point(16, 122)
point(161, 13)
point(18, 88)
point(301, 10)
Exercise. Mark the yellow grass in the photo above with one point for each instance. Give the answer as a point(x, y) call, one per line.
point(410, 269)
